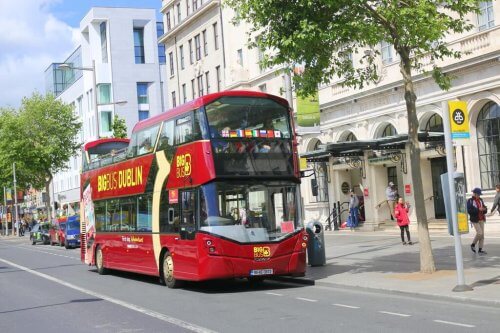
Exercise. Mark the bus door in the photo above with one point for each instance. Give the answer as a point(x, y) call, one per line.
point(186, 256)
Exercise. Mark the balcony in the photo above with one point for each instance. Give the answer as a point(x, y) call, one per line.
point(192, 18)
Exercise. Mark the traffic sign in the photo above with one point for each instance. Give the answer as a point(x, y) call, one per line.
point(459, 121)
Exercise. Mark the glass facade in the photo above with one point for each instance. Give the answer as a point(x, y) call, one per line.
point(488, 141)
point(139, 46)
point(104, 43)
point(104, 96)
point(142, 93)
point(161, 47)
point(57, 80)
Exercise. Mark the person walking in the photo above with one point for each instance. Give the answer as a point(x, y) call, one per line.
point(496, 201)
point(402, 219)
point(391, 194)
point(477, 214)
point(353, 210)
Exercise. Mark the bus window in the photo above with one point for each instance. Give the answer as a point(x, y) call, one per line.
point(166, 141)
point(146, 140)
point(144, 220)
point(188, 215)
point(100, 215)
point(128, 214)
point(132, 146)
point(113, 215)
point(183, 130)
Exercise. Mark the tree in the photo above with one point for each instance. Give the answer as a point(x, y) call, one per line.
point(119, 128)
point(320, 34)
point(40, 137)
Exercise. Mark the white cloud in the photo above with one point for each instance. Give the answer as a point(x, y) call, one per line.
point(31, 39)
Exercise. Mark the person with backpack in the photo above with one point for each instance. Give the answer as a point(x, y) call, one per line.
point(477, 214)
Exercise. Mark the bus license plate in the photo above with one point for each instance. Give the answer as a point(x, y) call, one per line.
point(255, 272)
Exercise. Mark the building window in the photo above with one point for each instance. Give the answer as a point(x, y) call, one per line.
point(104, 43)
point(181, 52)
point(200, 85)
point(171, 62)
point(139, 45)
point(197, 46)
point(174, 100)
point(216, 36)
point(389, 130)
point(104, 96)
point(142, 93)
point(485, 18)
point(350, 137)
point(239, 57)
point(319, 184)
point(207, 81)
point(435, 124)
point(386, 51)
point(191, 58)
point(187, 8)
point(184, 93)
point(195, 5)
point(193, 91)
point(143, 114)
point(392, 175)
point(162, 58)
point(169, 23)
point(106, 122)
point(179, 14)
point(263, 88)
point(217, 73)
point(488, 142)
point(205, 46)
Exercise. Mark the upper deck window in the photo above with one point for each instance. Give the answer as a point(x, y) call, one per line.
point(248, 117)
point(143, 142)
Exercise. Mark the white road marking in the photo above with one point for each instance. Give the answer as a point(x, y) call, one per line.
point(274, 294)
point(346, 306)
point(151, 313)
point(395, 314)
point(306, 299)
point(453, 323)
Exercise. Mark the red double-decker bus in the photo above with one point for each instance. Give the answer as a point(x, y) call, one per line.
point(207, 190)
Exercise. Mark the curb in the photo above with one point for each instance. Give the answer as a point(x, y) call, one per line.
point(468, 300)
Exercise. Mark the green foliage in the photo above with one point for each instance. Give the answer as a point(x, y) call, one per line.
point(40, 137)
point(119, 128)
point(319, 33)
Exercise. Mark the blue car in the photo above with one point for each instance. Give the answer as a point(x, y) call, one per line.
point(72, 232)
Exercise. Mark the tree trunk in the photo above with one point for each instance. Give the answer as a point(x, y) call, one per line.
point(427, 264)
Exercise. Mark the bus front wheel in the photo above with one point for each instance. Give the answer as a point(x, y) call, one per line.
point(99, 261)
point(167, 273)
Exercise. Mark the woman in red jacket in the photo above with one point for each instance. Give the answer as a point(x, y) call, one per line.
point(401, 214)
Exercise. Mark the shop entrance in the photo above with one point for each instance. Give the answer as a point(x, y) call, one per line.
point(438, 167)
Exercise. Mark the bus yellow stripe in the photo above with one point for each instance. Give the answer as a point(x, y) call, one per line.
point(163, 171)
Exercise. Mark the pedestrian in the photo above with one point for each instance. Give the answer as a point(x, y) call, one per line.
point(496, 202)
point(477, 213)
point(402, 219)
point(391, 194)
point(353, 210)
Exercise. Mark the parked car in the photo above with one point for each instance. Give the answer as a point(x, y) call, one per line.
point(40, 234)
point(57, 233)
point(72, 237)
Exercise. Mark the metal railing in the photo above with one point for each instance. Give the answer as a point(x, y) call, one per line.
point(335, 215)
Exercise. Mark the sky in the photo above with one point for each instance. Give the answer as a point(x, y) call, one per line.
point(36, 33)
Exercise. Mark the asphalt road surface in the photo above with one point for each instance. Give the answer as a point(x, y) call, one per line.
point(47, 289)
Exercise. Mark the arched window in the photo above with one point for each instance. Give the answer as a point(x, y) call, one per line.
point(488, 142)
point(389, 130)
point(320, 181)
point(351, 137)
point(434, 124)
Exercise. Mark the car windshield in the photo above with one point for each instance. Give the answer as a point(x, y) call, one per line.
point(73, 225)
point(249, 212)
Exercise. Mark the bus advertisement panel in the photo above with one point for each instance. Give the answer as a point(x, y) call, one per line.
point(207, 190)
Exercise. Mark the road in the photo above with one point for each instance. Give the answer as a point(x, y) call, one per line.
point(46, 288)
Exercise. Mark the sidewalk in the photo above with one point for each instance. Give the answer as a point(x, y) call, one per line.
point(378, 261)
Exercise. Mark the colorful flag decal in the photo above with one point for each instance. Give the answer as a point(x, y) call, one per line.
point(233, 134)
point(270, 134)
point(255, 133)
point(224, 133)
point(263, 133)
point(277, 134)
point(241, 133)
point(248, 133)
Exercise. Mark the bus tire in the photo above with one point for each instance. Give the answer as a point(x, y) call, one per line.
point(167, 272)
point(66, 245)
point(99, 261)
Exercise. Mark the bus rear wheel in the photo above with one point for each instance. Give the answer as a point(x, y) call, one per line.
point(99, 261)
point(167, 274)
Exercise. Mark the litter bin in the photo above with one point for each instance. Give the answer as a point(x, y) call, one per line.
point(316, 245)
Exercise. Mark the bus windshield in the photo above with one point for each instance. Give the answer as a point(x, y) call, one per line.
point(249, 212)
point(248, 117)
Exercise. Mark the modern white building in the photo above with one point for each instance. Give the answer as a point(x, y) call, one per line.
point(377, 113)
point(119, 49)
point(206, 53)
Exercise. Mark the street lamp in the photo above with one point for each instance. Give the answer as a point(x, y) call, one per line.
point(94, 89)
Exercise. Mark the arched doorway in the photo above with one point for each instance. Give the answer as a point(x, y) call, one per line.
point(488, 144)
